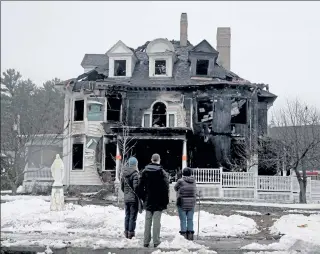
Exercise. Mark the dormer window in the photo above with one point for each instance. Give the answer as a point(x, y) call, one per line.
point(161, 58)
point(122, 61)
point(202, 67)
point(160, 67)
point(203, 59)
point(120, 67)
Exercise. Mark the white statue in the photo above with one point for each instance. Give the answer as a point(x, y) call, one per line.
point(57, 195)
point(57, 171)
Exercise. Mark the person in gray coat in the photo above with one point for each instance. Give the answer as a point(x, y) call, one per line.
point(129, 183)
point(186, 200)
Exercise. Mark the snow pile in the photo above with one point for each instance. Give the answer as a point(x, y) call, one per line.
point(185, 251)
point(33, 214)
point(20, 189)
point(299, 226)
point(180, 242)
point(248, 212)
point(284, 244)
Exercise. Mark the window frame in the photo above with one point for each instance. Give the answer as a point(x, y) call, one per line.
point(168, 119)
point(84, 109)
point(202, 75)
point(106, 111)
point(149, 112)
point(114, 66)
point(154, 64)
point(83, 155)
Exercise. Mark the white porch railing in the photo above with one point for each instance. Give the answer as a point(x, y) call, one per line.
point(274, 183)
point(43, 174)
point(238, 179)
point(207, 175)
point(247, 185)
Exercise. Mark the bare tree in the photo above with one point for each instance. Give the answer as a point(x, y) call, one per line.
point(298, 127)
point(30, 116)
point(126, 144)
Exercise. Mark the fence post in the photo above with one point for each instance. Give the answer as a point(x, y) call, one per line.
point(291, 188)
point(256, 176)
point(221, 187)
point(309, 182)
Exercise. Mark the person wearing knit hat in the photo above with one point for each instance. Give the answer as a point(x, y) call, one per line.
point(129, 183)
point(186, 200)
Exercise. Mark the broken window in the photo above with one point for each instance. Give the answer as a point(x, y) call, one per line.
point(78, 110)
point(171, 120)
point(119, 67)
point(110, 155)
point(202, 67)
point(114, 108)
point(146, 120)
point(160, 67)
point(77, 156)
point(239, 111)
point(205, 110)
point(159, 115)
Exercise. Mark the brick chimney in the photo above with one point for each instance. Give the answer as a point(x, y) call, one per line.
point(223, 46)
point(183, 29)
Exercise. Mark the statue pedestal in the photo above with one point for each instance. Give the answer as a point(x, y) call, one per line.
point(57, 198)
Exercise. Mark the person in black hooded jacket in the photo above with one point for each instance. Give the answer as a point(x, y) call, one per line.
point(153, 189)
point(129, 184)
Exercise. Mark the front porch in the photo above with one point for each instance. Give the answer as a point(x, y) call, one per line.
point(170, 143)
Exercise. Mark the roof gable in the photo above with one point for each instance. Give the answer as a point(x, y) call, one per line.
point(119, 48)
point(204, 47)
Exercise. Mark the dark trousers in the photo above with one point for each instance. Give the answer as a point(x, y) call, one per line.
point(131, 210)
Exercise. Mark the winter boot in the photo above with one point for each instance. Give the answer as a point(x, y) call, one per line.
point(125, 233)
point(131, 234)
point(184, 234)
point(190, 235)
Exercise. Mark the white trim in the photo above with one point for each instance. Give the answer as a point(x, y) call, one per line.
point(150, 119)
point(168, 118)
point(164, 102)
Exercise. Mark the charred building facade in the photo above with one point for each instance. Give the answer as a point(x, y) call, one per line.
point(176, 99)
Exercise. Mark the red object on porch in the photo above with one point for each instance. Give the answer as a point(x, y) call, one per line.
point(312, 173)
point(184, 157)
point(118, 157)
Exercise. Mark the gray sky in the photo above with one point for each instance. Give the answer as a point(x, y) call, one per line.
point(277, 43)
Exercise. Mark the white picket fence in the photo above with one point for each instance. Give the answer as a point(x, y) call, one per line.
point(213, 183)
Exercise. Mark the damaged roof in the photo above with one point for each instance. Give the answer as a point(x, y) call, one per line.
point(94, 60)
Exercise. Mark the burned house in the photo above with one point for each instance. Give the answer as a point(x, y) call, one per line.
point(174, 98)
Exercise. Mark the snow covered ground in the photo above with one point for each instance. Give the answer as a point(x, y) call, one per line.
point(300, 232)
point(31, 215)
point(298, 226)
point(23, 197)
point(240, 203)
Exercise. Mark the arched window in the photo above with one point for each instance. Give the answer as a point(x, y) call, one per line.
point(159, 115)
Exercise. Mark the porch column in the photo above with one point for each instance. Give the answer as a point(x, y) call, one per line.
point(118, 164)
point(184, 154)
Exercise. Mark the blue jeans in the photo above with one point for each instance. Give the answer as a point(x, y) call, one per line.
point(186, 219)
point(131, 210)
